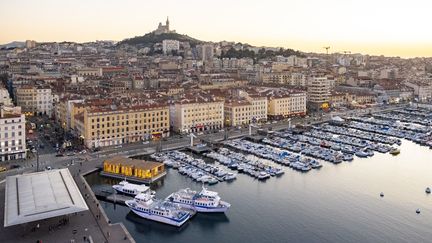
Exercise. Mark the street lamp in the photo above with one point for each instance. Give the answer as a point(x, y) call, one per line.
point(37, 156)
point(192, 136)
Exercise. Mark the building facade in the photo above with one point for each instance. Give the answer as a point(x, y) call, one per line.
point(35, 100)
point(168, 46)
point(5, 97)
point(237, 112)
point(12, 134)
point(318, 91)
point(195, 115)
point(99, 127)
point(287, 105)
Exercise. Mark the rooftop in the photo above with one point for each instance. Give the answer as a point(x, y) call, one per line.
point(143, 164)
point(41, 195)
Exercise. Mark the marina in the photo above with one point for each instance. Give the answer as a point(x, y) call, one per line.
point(363, 178)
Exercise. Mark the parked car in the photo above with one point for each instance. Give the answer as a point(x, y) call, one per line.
point(145, 142)
point(15, 166)
point(2, 169)
point(59, 155)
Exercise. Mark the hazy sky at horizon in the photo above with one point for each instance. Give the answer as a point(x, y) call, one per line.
point(394, 28)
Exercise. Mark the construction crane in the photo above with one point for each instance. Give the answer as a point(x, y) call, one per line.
point(327, 48)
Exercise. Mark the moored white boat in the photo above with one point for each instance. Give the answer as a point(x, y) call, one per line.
point(204, 201)
point(131, 189)
point(161, 211)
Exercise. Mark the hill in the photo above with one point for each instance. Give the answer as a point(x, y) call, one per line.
point(12, 45)
point(148, 40)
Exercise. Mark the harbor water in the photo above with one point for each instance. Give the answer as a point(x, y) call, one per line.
point(337, 203)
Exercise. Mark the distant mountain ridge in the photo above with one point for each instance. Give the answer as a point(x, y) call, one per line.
point(13, 44)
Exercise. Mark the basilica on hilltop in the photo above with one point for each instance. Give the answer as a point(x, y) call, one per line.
point(163, 29)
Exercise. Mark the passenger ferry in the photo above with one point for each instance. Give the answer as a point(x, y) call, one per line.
point(205, 201)
point(161, 211)
point(132, 189)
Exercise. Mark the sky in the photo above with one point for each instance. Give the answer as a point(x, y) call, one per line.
point(378, 27)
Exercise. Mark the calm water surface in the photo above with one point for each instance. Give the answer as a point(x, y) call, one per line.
point(338, 203)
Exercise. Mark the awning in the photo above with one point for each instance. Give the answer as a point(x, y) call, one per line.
point(41, 195)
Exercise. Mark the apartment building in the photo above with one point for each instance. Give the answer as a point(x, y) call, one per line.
point(195, 114)
point(64, 111)
point(89, 71)
point(168, 46)
point(114, 125)
point(12, 134)
point(259, 104)
point(289, 78)
point(283, 104)
point(237, 112)
point(34, 100)
point(44, 101)
point(5, 97)
point(318, 91)
point(422, 89)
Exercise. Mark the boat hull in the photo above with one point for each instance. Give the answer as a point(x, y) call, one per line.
point(119, 190)
point(159, 219)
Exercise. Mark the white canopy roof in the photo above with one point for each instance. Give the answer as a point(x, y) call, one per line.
point(41, 195)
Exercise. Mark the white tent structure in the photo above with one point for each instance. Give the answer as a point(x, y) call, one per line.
point(41, 195)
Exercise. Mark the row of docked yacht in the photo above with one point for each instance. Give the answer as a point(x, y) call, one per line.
point(390, 131)
point(417, 112)
point(178, 207)
point(404, 117)
point(332, 152)
point(393, 123)
point(280, 156)
point(284, 141)
point(247, 164)
point(370, 136)
point(336, 142)
point(198, 169)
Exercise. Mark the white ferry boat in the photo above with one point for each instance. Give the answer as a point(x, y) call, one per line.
point(161, 211)
point(205, 201)
point(132, 189)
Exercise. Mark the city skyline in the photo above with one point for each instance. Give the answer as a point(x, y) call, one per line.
point(377, 28)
